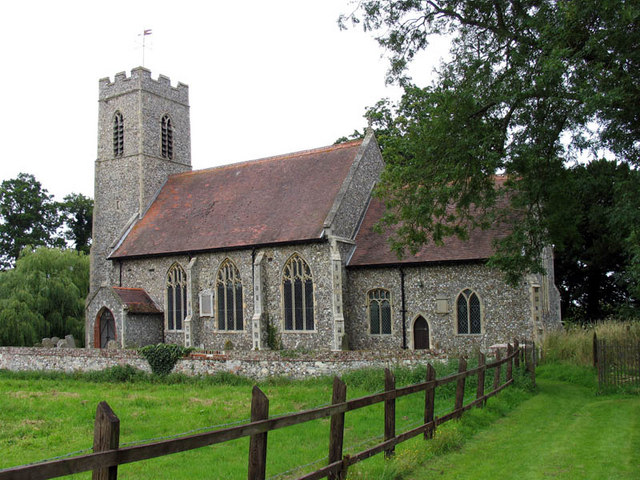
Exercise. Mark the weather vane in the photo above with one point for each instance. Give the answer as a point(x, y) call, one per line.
point(144, 35)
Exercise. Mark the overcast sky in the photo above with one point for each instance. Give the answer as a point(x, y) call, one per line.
point(265, 78)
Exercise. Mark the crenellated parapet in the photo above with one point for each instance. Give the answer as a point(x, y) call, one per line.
point(140, 79)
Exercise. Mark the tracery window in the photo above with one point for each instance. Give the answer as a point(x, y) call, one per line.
point(297, 294)
point(379, 303)
point(167, 137)
point(469, 313)
point(229, 297)
point(176, 297)
point(118, 135)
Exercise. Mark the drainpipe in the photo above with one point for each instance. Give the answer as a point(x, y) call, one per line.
point(253, 267)
point(404, 312)
point(120, 281)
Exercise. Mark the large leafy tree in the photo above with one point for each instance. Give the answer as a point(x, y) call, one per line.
point(593, 259)
point(530, 87)
point(77, 211)
point(28, 216)
point(43, 296)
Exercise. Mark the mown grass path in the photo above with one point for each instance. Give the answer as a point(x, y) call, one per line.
point(563, 432)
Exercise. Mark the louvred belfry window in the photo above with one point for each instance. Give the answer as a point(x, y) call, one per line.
point(118, 135)
point(229, 297)
point(379, 302)
point(176, 297)
point(297, 294)
point(167, 137)
point(469, 313)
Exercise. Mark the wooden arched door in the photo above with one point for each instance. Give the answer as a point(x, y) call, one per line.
point(420, 334)
point(105, 329)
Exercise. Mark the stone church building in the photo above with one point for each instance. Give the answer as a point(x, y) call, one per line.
point(279, 249)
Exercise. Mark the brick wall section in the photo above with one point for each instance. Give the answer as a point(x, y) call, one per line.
point(255, 365)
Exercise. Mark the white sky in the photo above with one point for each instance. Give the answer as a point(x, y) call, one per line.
point(265, 77)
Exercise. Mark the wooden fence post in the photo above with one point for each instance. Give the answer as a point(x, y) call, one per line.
point(336, 435)
point(510, 362)
point(258, 442)
point(429, 401)
point(462, 367)
point(531, 362)
point(595, 349)
point(496, 375)
point(480, 389)
point(516, 347)
point(106, 436)
point(389, 411)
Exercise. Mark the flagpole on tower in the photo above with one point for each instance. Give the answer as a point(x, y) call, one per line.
point(144, 34)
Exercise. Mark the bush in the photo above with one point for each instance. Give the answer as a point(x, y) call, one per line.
point(117, 374)
point(163, 357)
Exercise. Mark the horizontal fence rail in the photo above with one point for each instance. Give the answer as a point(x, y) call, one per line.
point(108, 456)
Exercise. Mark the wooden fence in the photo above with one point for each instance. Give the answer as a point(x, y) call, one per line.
point(107, 456)
point(618, 362)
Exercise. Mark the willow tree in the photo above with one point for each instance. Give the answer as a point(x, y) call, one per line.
point(43, 296)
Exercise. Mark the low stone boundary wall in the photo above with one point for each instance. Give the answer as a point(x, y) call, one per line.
point(253, 364)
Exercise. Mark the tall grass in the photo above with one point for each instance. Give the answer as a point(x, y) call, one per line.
point(574, 344)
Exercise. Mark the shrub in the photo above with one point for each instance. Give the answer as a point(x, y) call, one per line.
point(163, 357)
point(118, 373)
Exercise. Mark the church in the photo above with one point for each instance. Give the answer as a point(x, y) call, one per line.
point(278, 252)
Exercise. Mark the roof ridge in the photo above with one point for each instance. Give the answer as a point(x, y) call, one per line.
point(300, 153)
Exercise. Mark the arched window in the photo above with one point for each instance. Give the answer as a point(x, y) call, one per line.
point(176, 297)
point(229, 297)
point(118, 135)
point(167, 137)
point(297, 294)
point(379, 302)
point(469, 313)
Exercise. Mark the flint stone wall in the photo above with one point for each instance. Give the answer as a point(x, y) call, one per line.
point(151, 275)
point(254, 364)
point(504, 310)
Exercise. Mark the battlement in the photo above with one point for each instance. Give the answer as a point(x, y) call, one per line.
point(140, 79)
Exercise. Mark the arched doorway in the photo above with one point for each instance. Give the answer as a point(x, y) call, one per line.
point(105, 329)
point(420, 334)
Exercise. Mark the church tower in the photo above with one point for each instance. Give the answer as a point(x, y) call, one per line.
point(143, 137)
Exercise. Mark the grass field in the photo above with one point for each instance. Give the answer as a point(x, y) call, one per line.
point(564, 431)
point(47, 416)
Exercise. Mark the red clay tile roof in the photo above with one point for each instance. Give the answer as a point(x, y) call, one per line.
point(373, 248)
point(273, 200)
point(137, 300)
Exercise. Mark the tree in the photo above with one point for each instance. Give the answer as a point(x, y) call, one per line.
point(593, 259)
point(531, 87)
point(77, 211)
point(43, 296)
point(28, 216)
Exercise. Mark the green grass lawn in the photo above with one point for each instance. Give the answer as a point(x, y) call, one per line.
point(46, 416)
point(565, 431)
point(51, 415)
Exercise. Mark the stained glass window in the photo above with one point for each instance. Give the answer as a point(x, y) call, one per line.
point(469, 313)
point(297, 294)
point(176, 297)
point(379, 301)
point(229, 297)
